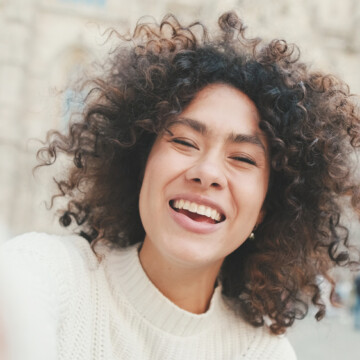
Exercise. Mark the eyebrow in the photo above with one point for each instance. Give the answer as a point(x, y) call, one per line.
point(194, 124)
point(232, 138)
point(244, 138)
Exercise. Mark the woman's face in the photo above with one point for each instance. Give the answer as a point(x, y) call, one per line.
point(206, 179)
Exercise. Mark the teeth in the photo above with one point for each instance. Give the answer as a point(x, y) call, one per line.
point(193, 207)
point(186, 205)
point(198, 209)
point(207, 211)
point(213, 214)
point(201, 210)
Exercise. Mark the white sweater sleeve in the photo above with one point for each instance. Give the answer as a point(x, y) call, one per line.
point(34, 286)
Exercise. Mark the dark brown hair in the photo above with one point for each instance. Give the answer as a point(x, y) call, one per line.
point(312, 126)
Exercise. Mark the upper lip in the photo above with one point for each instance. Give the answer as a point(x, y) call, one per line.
point(201, 200)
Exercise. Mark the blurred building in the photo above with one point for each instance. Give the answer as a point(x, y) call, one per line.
point(44, 44)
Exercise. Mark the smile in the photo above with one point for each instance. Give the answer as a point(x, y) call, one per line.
point(197, 212)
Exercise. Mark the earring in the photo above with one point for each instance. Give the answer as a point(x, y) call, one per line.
point(252, 236)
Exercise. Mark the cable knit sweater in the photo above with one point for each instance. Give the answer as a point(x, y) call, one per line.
point(60, 301)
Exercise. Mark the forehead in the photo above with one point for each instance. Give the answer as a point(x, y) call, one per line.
point(222, 106)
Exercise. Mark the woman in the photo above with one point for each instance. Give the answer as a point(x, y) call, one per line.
point(209, 176)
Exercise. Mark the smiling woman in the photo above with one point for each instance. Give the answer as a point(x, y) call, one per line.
point(202, 165)
point(208, 182)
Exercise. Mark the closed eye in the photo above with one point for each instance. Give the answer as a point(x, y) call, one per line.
point(244, 159)
point(183, 142)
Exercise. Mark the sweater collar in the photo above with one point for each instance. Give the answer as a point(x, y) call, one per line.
point(128, 280)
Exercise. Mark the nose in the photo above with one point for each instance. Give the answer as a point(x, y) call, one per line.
point(207, 174)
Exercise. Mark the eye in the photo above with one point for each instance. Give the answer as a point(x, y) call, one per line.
point(244, 159)
point(183, 142)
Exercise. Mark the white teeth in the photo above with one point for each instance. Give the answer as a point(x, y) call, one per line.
point(193, 207)
point(186, 205)
point(201, 210)
point(198, 209)
point(213, 214)
point(207, 211)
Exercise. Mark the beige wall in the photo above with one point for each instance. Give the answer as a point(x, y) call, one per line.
point(43, 41)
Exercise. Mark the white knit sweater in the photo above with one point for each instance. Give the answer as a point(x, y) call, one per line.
point(60, 302)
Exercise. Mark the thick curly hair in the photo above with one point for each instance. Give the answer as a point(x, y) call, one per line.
point(313, 129)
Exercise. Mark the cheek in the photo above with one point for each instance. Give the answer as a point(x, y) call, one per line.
point(249, 192)
point(159, 169)
point(165, 164)
point(153, 164)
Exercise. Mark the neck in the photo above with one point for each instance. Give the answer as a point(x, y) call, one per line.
point(190, 289)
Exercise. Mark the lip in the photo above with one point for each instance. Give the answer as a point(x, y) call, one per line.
point(192, 225)
point(201, 200)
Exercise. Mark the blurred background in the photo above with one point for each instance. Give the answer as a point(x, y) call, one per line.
point(46, 44)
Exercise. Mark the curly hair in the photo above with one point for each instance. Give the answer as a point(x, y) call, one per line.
point(312, 125)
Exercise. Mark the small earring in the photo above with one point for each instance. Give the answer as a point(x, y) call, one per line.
point(252, 236)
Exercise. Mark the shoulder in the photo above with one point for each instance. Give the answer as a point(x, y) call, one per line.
point(41, 242)
point(259, 342)
point(278, 347)
point(48, 248)
point(41, 278)
point(267, 346)
point(45, 263)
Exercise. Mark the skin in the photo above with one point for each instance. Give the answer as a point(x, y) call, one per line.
point(214, 153)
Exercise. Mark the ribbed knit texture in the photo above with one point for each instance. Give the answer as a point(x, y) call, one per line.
point(61, 302)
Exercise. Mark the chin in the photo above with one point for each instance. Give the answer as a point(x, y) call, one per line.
point(191, 252)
